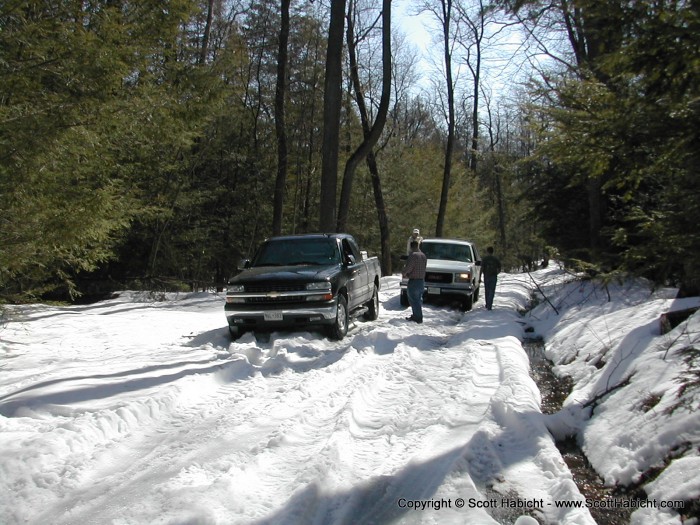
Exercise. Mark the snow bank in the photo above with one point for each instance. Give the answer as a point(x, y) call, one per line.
point(625, 407)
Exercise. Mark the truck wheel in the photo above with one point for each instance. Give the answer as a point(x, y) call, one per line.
point(467, 304)
point(404, 298)
point(476, 293)
point(373, 306)
point(234, 332)
point(340, 327)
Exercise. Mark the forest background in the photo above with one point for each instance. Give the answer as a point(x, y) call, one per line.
point(152, 144)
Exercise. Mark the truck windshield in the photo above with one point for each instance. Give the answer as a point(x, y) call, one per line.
point(293, 252)
point(446, 252)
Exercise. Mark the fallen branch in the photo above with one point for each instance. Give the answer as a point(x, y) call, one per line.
point(594, 401)
point(543, 294)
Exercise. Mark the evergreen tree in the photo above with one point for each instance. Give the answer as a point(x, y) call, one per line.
point(627, 125)
point(61, 205)
point(101, 105)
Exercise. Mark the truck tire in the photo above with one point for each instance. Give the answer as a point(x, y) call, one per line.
point(373, 306)
point(234, 332)
point(340, 328)
point(467, 303)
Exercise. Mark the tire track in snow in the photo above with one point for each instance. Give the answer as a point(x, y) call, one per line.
point(386, 448)
point(245, 415)
point(307, 419)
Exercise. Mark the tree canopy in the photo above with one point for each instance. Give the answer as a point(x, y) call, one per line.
point(143, 146)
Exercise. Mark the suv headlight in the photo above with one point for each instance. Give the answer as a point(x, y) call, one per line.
point(235, 288)
point(464, 277)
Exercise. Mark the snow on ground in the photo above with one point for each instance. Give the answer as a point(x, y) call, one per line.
point(628, 409)
point(142, 411)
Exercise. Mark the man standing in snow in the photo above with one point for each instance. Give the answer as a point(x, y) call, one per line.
point(490, 268)
point(414, 271)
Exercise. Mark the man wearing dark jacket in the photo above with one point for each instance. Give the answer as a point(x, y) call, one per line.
point(490, 268)
point(414, 271)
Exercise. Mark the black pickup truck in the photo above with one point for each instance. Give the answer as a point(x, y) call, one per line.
point(300, 281)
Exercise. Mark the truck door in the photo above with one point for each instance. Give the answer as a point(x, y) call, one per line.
point(357, 281)
point(477, 265)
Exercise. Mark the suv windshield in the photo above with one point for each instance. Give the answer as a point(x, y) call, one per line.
point(291, 252)
point(446, 252)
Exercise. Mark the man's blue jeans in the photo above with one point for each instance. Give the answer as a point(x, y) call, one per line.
point(490, 290)
point(415, 297)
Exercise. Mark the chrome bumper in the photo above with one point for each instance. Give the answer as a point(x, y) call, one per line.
point(317, 314)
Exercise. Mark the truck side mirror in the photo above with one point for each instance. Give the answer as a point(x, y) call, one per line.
point(245, 263)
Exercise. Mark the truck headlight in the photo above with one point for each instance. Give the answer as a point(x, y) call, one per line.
point(465, 277)
point(320, 285)
point(324, 291)
point(234, 289)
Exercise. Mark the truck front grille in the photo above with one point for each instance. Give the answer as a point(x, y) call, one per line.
point(438, 277)
point(274, 287)
point(274, 300)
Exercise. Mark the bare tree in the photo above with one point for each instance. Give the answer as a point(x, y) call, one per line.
point(472, 43)
point(449, 84)
point(493, 128)
point(443, 13)
point(371, 135)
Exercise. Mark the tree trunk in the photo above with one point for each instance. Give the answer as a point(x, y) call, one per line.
point(475, 23)
point(281, 180)
point(382, 217)
point(591, 35)
point(371, 136)
point(442, 210)
point(332, 100)
point(207, 32)
point(476, 73)
point(595, 211)
point(501, 210)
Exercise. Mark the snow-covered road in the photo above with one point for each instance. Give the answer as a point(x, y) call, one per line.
point(135, 411)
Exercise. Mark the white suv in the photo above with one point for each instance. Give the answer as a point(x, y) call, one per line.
point(453, 272)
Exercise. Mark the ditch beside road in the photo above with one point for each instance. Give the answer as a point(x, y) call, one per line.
point(554, 391)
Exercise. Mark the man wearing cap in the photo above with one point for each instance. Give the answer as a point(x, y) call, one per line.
point(415, 236)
